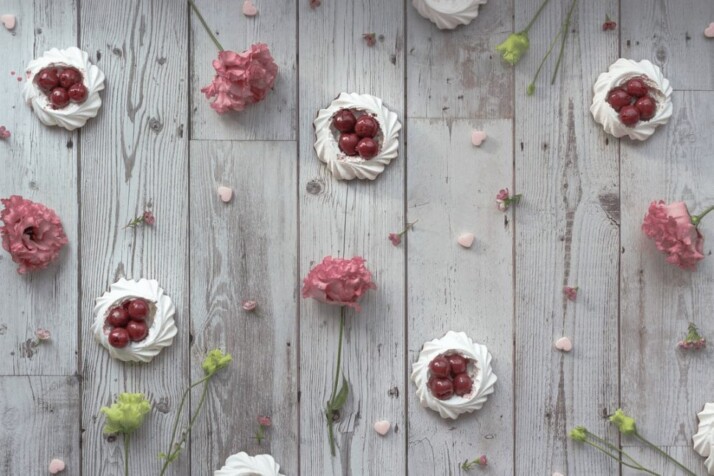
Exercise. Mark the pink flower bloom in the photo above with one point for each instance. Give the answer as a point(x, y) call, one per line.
point(149, 218)
point(482, 460)
point(264, 421)
point(504, 199)
point(4, 133)
point(32, 234)
point(338, 281)
point(42, 334)
point(370, 39)
point(241, 78)
point(395, 238)
point(570, 293)
point(671, 228)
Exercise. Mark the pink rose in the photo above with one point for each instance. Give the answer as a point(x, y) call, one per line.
point(32, 233)
point(241, 78)
point(671, 228)
point(338, 281)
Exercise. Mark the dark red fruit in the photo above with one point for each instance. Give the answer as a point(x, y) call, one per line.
point(440, 367)
point(48, 79)
point(137, 330)
point(458, 363)
point(138, 309)
point(636, 87)
point(118, 337)
point(59, 98)
point(77, 92)
point(629, 115)
point(367, 148)
point(647, 107)
point(69, 76)
point(462, 384)
point(117, 317)
point(344, 120)
point(366, 126)
point(441, 388)
point(617, 98)
point(348, 143)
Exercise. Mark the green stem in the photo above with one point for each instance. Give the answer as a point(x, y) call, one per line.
point(537, 14)
point(663, 453)
point(615, 448)
point(328, 413)
point(698, 218)
point(636, 466)
point(547, 54)
point(205, 25)
point(126, 454)
point(565, 30)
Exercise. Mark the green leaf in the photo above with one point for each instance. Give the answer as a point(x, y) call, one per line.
point(341, 398)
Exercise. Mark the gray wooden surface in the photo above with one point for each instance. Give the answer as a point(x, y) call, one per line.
point(157, 144)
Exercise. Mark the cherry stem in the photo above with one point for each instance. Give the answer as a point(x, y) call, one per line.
point(205, 25)
point(537, 14)
point(663, 453)
point(698, 218)
point(564, 31)
point(126, 454)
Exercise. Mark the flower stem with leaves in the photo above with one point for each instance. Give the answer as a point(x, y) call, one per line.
point(581, 434)
point(205, 25)
point(337, 398)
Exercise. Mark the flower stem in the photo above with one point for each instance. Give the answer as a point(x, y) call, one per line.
point(636, 465)
point(205, 25)
point(663, 453)
point(338, 367)
point(540, 66)
point(698, 218)
point(126, 454)
point(537, 14)
point(565, 30)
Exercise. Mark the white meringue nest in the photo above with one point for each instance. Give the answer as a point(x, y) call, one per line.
point(448, 14)
point(704, 439)
point(241, 464)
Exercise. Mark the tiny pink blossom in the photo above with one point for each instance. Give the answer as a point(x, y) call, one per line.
point(149, 218)
point(42, 334)
point(570, 293)
point(264, 421)
point(370, 39)
point(482, 460)
point(671, 228)
point(4, 133)
point(338, 281)
point(395, 238)
point(504, 199)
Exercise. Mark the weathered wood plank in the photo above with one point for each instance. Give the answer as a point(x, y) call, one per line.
point(135, 155)
point(245, 249)
point(347, 219)
point(660, 465)
point(40, 422)
point(451, 190)
point(274, 118)
point(567, 234)
point(38, 163)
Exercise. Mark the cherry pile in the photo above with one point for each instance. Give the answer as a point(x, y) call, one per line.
point(356, 134)
point(633, 101)
point(449, 376)
point(128, 322)
point(62, 85)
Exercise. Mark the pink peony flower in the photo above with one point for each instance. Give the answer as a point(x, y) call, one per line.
point(338, 281)
point(241, 78)
point(395, 238)
point(4, 133)
point(671, 228)
point(264, 421)
point(32, 233)
point(570, 293)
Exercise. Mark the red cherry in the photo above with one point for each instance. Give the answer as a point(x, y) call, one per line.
point(348, 143)
point(117, 317)
point(344, 120)
point(441, 388)
point(59, 98)
point(458, 363)
point(77, 92)
point(629, 115)
point(366, 126)
point(462, 384)
point(138, 309)
point(47, 79)
point(69, 76)
point(617, 98)
point(647, 107)
point(367, 148)
point(137, 330)
point(118, 337)
point(636, 87)
point(440, 366)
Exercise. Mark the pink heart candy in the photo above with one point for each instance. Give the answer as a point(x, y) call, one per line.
point(9, 21)
point(382, 427)
point(709, 31)
point(249, 305)
point(477, 138)
point(249, 9)
point(56, 466)
point(225, 194)
point(466, 240)
point(564, 344)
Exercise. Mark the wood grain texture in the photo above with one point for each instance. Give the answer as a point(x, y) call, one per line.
point(134, 156)
point(274, 118)
point(39, 163)
point(664, 388)
point(451, 190)
point(673, 38)
point(567, 234)
point(40, 422)
point(248, 250)
point(660, 465)
point(347, 219)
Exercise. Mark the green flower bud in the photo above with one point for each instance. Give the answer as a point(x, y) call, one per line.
point(624, 423)
point(515, 46)
point(579, 433)
point(215, 361)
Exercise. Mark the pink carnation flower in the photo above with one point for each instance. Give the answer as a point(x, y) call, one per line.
point(570, 293)
point(32, 233)
point(671, 228)
point(264, 421)
point(395, 238)
point(338, 281)
point(241, 78)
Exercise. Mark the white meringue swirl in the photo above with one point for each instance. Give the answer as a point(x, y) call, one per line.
point(704, 439)
point(479, 369)
point(162, 327)
point(448, 14)
point(344, 167)
point(74, 115)
point(617, 75)
point(241, 464)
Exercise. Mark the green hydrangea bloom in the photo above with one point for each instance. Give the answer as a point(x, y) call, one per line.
point(515, 46)
point(127, 414)
point(624, 423)
point(215, 361)
point(579, 433)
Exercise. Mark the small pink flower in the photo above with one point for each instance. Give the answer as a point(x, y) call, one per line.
point(395, 238)
point(264, 421)
point(370, 39)
point(146, 218)
point(4, 133)
point(482, 460)
point(315, 3)
point(570, 293)
point(241, 78)
point(42, 334)
point(249, 305)
point(149, 218)
point(338, 281)
point(671, 228)
point(32, 233)
point(504, 199)
point(693, 339)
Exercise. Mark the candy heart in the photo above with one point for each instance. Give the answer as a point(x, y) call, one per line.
point(466, 240)
point(225, 194)
point(8, 21)
point(709, 31)
point(477, 138)
point(249, 9)
point(564, 344)
point(56, 465)
point(382, 427)
point(249, 305)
